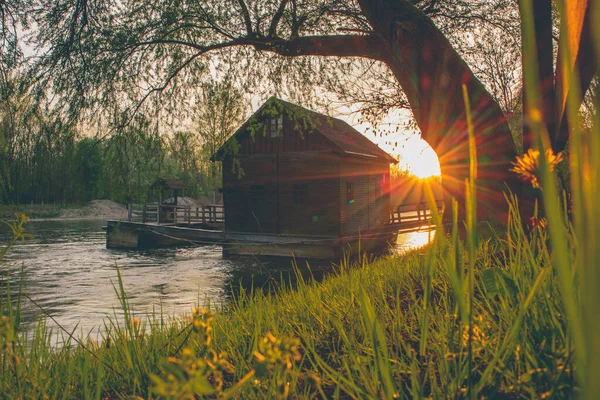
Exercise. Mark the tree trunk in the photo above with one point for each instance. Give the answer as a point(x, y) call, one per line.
point(432, 74)
point(543, 57)
point(579, 41)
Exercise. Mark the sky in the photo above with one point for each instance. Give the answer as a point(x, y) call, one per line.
point(413, 153)
point(406, 145)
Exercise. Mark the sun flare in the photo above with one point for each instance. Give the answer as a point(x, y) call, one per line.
point(425, 164)
point(417, 157)
point(412, 152)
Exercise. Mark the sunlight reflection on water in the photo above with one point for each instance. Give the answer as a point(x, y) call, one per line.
point(413, 240)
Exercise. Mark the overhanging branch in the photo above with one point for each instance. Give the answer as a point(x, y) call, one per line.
point(365, 46)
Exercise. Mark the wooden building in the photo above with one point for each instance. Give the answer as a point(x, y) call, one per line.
point(291, 171)
point(169, 190)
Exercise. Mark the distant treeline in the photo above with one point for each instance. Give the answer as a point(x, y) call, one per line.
point(61, 167)
point(46, 160)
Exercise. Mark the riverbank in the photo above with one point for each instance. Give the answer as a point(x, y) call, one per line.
point(392, 327)
point(95, 209)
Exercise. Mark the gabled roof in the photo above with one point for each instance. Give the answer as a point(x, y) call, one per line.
point(343, 136)
point(169, 183)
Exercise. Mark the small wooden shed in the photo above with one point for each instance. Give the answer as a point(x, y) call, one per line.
point(290, 170)
point(169, 190)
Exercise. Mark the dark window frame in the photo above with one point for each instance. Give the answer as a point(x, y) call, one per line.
point(276, 128)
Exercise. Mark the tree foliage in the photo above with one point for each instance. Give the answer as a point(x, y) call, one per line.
point(95, 54)
point(101, 53)
point(145, 49)
point(45, 159)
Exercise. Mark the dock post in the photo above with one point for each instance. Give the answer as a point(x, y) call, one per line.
point(189, 214)
point(203, 215)
point(129, 211)
point(144, 217)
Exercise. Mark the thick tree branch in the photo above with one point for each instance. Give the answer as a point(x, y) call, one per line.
point(246, 16)
point(433, 75)
point(277, 18)
point(365, 46)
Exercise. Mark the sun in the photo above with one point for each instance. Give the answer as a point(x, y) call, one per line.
point(419, 158)
point(412, 152)
point(425, 165)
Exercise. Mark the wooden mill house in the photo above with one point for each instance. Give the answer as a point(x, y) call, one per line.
point(289, 171)
point(295, 182)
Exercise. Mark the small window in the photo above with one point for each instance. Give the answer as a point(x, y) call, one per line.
point(350, 192)
point(300, 193)
point(277, 126)
point(257, 194)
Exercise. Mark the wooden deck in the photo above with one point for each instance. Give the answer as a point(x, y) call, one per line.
point(407, 214)
point(165, 214)
point(151, 226)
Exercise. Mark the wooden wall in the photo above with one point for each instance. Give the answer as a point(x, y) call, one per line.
point(283, 193)
point(296, 184)
point(308, 202)
point(370, 207)
point(246, 208)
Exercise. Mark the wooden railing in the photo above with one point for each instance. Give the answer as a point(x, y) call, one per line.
point(176, 214)
point(214, 213)
point(414, 212)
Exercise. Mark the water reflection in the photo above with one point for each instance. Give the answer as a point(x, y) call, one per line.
point(414, 240)
point(70, 273)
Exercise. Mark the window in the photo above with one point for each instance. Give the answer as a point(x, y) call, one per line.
point(277, 126)
point(350, 192)
point(257, 194)
point(300, 193)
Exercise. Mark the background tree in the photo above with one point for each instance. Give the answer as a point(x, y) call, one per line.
point(219, 114)
point(180, 40)
point(135, 51)
point(575, 53)
point(43, 158)
point(184, 147)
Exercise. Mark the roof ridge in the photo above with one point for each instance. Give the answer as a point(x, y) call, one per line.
point(345, 137)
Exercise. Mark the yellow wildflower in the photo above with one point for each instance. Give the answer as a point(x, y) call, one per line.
point(527, 167)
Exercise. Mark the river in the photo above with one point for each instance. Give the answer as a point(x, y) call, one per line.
point(69, 272)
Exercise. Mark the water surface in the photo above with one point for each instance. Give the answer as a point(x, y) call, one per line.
point(70, 273)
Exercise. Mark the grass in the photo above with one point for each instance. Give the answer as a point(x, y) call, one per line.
point(512, 314)
point(377, 329)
